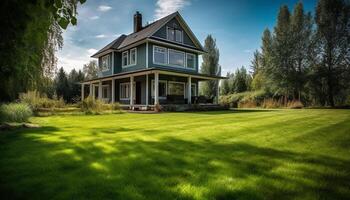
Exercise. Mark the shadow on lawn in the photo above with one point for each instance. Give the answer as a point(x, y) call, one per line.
point(165, 169)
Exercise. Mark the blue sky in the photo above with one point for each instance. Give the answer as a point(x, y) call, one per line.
point(237, 25)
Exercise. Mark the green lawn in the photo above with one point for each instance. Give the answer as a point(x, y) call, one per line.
point(242, 154)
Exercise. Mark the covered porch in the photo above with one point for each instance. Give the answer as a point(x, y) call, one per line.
point(146, 88)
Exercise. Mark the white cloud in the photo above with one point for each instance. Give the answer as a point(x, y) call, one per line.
point(104, 8)
point(166, 7)
point(100, 36)
point(92, 51)
point(94, 17)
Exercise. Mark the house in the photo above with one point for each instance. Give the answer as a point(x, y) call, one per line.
point(156, 64)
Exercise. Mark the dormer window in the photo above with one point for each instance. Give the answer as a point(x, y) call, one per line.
point(174, 34)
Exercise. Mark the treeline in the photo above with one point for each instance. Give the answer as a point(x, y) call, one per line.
point(305, 57)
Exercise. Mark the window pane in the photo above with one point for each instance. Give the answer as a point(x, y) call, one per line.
point(171, 34)
point(176, 58)
point(176, 89)
point(193, 90)
point(133, 56)
point(125, 59)
point(178, 35)
point(160, 55)
point(161, 89)
point(190, 61)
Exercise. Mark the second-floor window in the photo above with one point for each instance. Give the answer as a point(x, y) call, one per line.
point(125, 58)
point(190, 61)
point(160, 55)
point(105, 63)
point(133, 56)
point(176, 58)
point(174, 34)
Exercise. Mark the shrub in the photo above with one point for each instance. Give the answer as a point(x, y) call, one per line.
point(15, 112)
point(272, 103)
point(295, 104)
point(91, 106)
point(37, 101)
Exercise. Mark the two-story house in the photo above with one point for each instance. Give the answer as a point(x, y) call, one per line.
point(156, 64)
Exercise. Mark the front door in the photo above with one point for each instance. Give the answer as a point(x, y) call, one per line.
point(138, 93)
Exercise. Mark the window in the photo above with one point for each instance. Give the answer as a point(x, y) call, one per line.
point(176, 88)
point(105, 63)
point(160, 55)
point(178, 36)
point(124, 91)
point(176, 58)
point(105, 91)
point(133, 56)
point(161, 89)
point(193, 89)
point(125, 58)
point(174, 34)
point(171, 34)
point(190, 62)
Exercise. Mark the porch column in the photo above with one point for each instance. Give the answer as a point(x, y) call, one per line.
point(82, 91)
point(156, 88)
point(90, 90)
point(100, 90)
point(131, 90)
point(113, 91)
point(146, 89)
point(189, 96)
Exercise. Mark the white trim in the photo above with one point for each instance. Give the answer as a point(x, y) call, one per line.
point(108, 63)
point(146, 54)
point(168, 61)
point(147, 90)
point(174, 45)
point(112, 62)
point(108, 96)
point(166, 89)
point(183, 83)
point(120, 90)
point(195, 89)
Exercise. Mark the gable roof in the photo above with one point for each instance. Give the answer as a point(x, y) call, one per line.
point(146, 32)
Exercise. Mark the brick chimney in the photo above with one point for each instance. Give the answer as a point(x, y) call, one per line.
point(137, 21)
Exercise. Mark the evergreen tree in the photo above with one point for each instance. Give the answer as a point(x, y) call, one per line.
point(225, 85)
point(74, 78)
point(210, 66)
point(256, 63)
point(333, 41)
point(62, 86)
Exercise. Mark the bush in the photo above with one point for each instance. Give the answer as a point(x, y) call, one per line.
point(295, 104)
point(91, 106)
point(37, 101)
point(15, 112)
point(244, 98)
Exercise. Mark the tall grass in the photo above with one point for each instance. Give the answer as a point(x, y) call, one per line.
point(38, 101)
point(15, 112)
point(95, 106)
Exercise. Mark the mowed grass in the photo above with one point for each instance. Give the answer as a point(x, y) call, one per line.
point(241, 154)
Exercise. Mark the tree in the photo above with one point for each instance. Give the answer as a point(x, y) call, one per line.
point(301, 29)
point(30, 35)
point(332, 47)
point(210, 66)
point(225, 85)
point(256, 63)
point(74, 78)
point(242, 80)
point(90, 70)
point(62, 86)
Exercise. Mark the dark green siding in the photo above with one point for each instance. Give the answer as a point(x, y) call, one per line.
point(105, 73)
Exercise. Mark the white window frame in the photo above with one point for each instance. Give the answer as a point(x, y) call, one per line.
point(166, 89)
point(184, 59)
point(195, 89)
point(167, 34)
point(127, 59)
point(194, 63)
point(166, 55)
point(131, 64)
point(183, 83)
point(127, 91)
point(107, 64)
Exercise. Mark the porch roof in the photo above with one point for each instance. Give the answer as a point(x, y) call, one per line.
point(154, 70)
